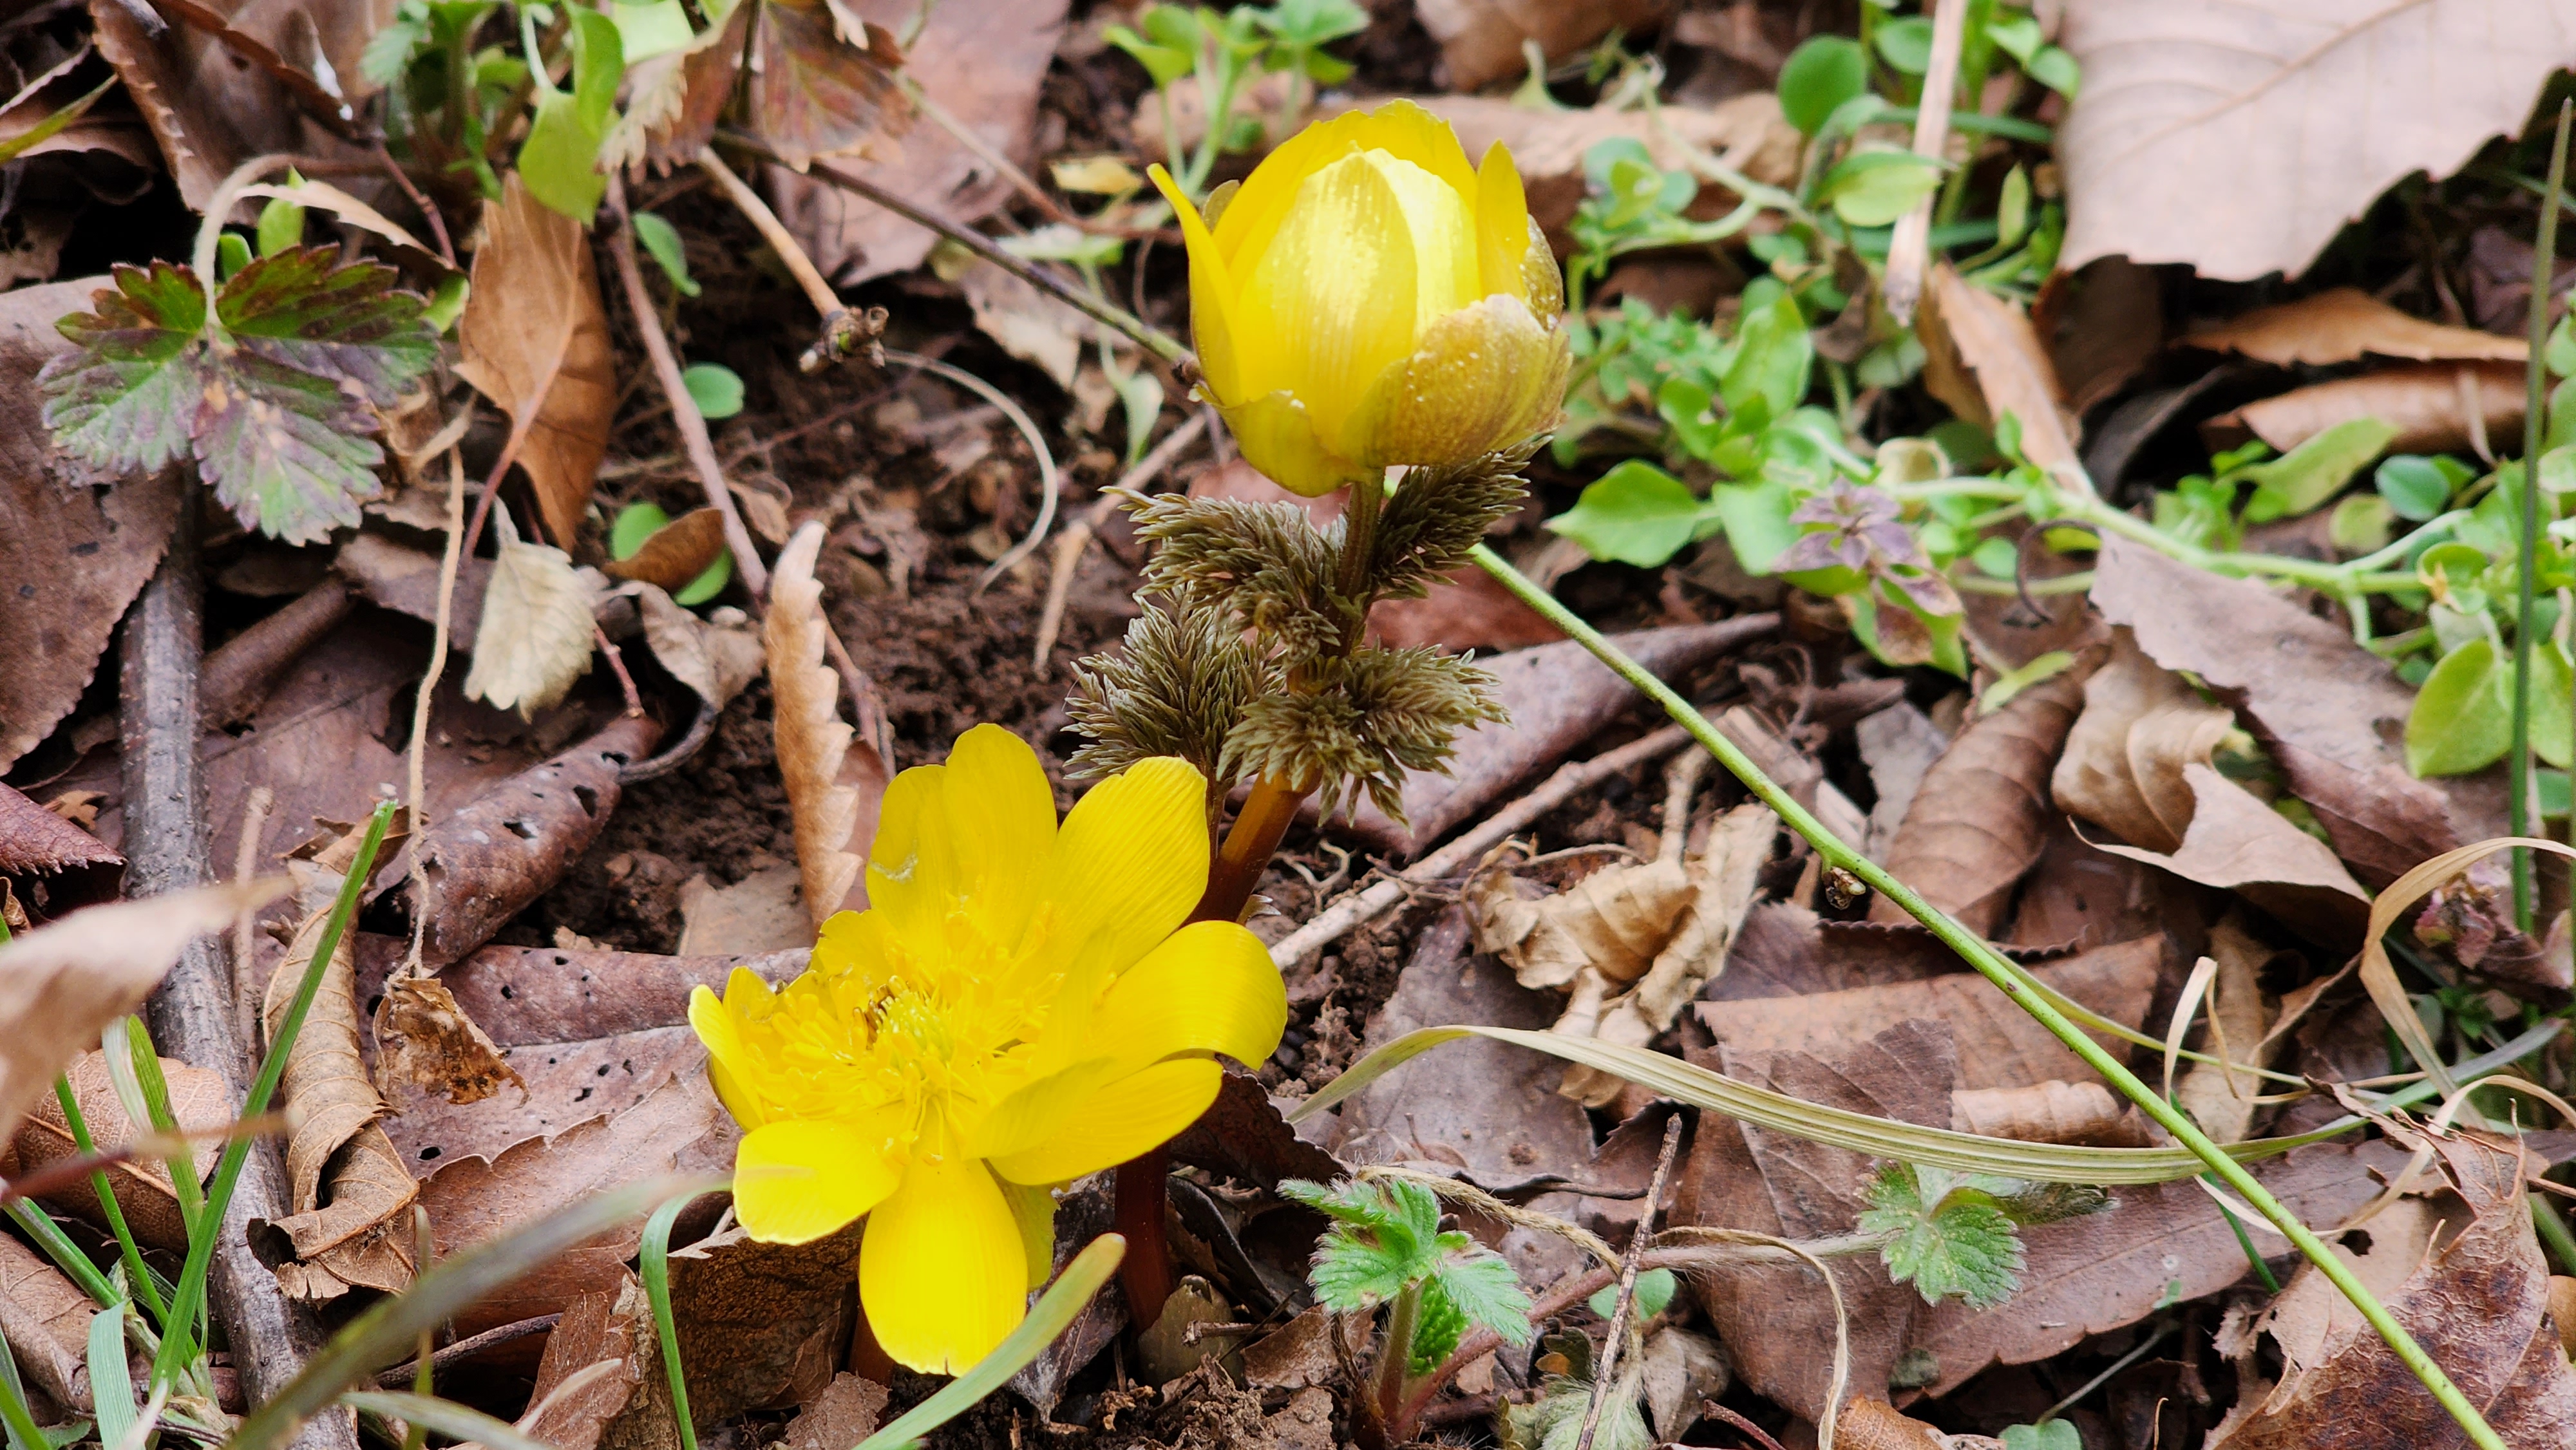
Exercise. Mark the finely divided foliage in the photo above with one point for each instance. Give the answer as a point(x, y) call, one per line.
point(275, 396)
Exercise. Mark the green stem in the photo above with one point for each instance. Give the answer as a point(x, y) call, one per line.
point(108, 1207)
point(188, 1296)
point(2016, 985)
point(653, 1260)
point(156, 1101)
point(2553, 1231)
point(2544, 259)
point(58, 1246)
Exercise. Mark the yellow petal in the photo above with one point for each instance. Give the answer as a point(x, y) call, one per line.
point(1211, 295)
point(1137, 1112)
point(972, 830)
point(1275, 435)
point(1331, 302)
point(1502, 225)
point(1443, 229)
point(1034, 1207)
point(1131, 862)
point(943, 1270)
point(727, 1060)
point(1399, 128)
point(1484, 377)
point(1210, 987)
point(794, 1182)
point(1032, 1114)
point(1543, 280)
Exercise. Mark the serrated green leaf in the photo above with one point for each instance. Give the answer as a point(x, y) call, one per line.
point(287, 451)
point(1945, 1234)
point(1634, 514)
point(1437, 1327)
point(349, 322)
point(389, 50)
point(125, 399)
point(1481, 1283)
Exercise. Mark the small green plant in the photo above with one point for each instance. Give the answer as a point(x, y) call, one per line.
point(1228, 53)
point(1386, 1249)
point(1959, 1234)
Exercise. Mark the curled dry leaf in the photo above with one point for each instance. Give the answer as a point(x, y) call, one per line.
point(1985, 360)
point(1980, 817)
point(2288, 102)
point(715, 657)
point(2044, 1112)
point(36, 842)
point(82, 552)
point(425, 1040)
point(2435, 407)
point(1613, 922)
point(843, 1415)
point(598, 1359)
point(2477, 1304)
point(2346, 324)
point(198, 1101)
point(2326, 709)
point(2139, 763)
point(981, 60)
point(534, 638)
point(347, 1186)
point(2218, 1098)
point(480, 865)
point(1481, 40)
point(675, 98)
point(813, 741)
point(535, 341)
point(61, 984)
point(677, 552)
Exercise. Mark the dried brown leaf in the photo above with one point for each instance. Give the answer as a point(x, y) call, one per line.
point(1985, 360)
point(2328, 710)
point(199, 1100)
point(763, 1326)
point(2478, 1306)
point(2435, 407)
point(2346, 324)
point(45, 1318)
point(535, 341)
point(534, 637)
point(674, 99)
point(845, 1413)
point(1981, 814)
point(763, 912)
point(425, 1040)
point(816, 92)
point(2240, 1019)
point(35, 841)
point(61, 984)
point(678, 552)
point(531, 996)
point(75, 556)
point(981, 61)
point(813, 741)
point(482, 863)
point(2044, 1112)
point(2138, 762)
point(348, 1188)
point(1480, 40)
point(1614, 921)
point(599, 1358)
point(2240, 138)
point(1999, 1044)
point(1030, 325)
point(715, 657)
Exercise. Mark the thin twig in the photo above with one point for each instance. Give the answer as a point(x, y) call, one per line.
point(684, 409)
point(1909, 250)
point(1624, 1311)
point(1715, 1410)
point(254, 829)
point(448, 563)
point(428, 212)
point(1075, 541)
point(470, 1346)
point(1050, 482)
point(845, 333)
point(1160, 344)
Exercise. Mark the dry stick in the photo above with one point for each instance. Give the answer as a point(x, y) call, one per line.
point(845, 333)
point(1626, 1307)
point(449, 562)
point(254, 829)
point(428, 212)
point(192, 1014)
point(684, 409)
point(1074, 542)
point(1909, 250)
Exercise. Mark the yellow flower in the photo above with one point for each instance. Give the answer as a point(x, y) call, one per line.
point(1019, 1006)
point(1365, 299)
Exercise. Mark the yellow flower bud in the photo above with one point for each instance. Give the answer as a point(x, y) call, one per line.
point(1365, 299)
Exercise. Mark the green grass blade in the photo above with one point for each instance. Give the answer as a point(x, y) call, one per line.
point(126, 1249)
point(58, 1246)
point(19, 1421)
point(146, 1058)
point(111, 1388)
point(384, 1334)
point(1052, 1316)
point(188, 1297)
point(653, 1261)
point(457, 1422)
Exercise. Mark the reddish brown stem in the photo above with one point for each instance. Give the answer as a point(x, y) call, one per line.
point(1258, 827)
point(1146, 1272)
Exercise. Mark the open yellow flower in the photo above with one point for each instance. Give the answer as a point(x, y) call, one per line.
point(1019, 1006)
point(1365, 299)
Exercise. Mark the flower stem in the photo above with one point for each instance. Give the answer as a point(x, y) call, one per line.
point(2543, 262)
point(2017, 986)
point(1136, 1208)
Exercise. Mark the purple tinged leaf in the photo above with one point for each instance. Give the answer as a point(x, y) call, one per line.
point(125, 398)
point(1930, 592)
point(285, 449)
point(350, 323)
point(814, 92)
point(1820, 550)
